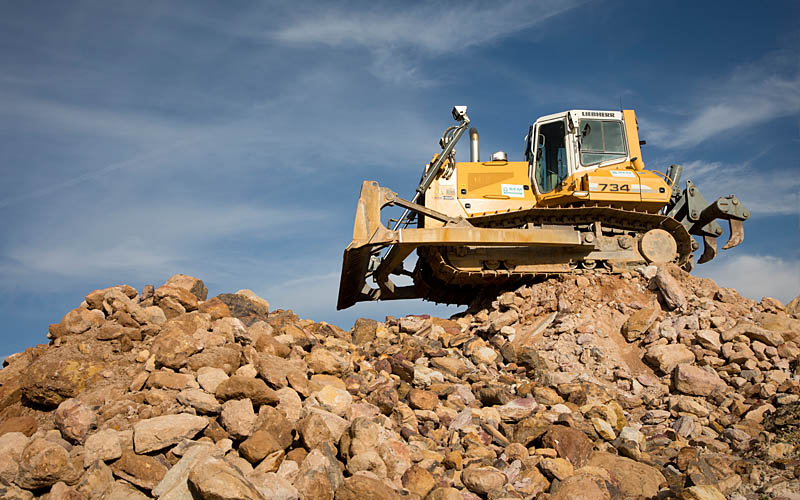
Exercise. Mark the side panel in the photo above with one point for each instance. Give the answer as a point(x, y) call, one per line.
point(655, 190)
point(616, 185)
point(493, 186)
point(441, 196)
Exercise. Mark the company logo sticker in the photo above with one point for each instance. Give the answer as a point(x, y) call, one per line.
point(513, 190)
point(622, 173)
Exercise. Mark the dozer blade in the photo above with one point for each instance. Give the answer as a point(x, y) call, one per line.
point(352, 285)
point(365, 261)
point(709, 249)
point(737, 233)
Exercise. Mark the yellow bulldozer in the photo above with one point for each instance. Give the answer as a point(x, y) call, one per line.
point(580, 200)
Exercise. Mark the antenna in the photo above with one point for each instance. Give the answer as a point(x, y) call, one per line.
point(620, 102)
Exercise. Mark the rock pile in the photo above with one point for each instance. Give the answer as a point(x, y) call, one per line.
point(653, 385)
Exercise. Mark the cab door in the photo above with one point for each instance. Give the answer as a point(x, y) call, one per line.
point(549, 159)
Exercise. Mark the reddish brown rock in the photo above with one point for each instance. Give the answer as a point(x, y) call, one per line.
point(217, 479)
point(173, 348)
point(569, 443)
point(581, 487)
point(418, 481)
point(638, 323)
point(635, 479)
point(177, 294)
point(215, 308)
point(241, 387)
point(422, 400)
point(364, 330)
point(142, 470)
point(260, 444)
point(80, 320)
point(24, 424)
point(225, 357)
point(359, 487)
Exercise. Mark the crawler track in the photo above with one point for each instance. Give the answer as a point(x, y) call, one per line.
point(437, 279)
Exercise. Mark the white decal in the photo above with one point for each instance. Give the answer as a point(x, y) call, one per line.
point(622, 173)
point(513, 190)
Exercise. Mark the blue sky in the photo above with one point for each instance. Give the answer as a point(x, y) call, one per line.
point(228, 140)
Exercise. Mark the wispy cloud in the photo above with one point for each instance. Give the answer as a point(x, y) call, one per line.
point(67, 118)
point(756, 276)
point(399, 36)
point(434, 29)
point(752, 94)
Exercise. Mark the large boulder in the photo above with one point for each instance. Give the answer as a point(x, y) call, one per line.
point(59, 374)
point(43, 463)
point(569, 443)
point(12, 445)
point(691, 379)
point(245, 305)
point(666, 357)
point(190, 283)
point(635, 479)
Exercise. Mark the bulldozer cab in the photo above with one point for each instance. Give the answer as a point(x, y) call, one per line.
point(565, 143)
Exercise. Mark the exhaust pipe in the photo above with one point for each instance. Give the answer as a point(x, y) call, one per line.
point(474, 147)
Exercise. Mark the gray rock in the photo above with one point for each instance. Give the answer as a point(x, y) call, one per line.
point(274, 487)
point(667, 356)
point(238, 417)
point(12, 445)
point(43, 463)
point(210, 377)
point(690, 379)
point(159, 432)
point(670, 289)
point(200, 400)
point(103, 445)
point(175, 485)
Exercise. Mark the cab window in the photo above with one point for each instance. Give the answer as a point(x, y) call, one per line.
point(601, 141)
point(551, 158)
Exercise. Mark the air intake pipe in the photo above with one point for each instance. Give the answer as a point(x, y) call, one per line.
point(474, 146)
point(674, 175)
